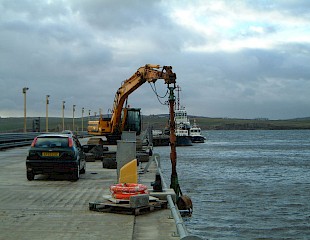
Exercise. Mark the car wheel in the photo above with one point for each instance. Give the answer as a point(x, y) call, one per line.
point(76, 173)
point(83, 170)
point(30, 175)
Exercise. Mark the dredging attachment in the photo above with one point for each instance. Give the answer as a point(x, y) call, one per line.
point(184, 202)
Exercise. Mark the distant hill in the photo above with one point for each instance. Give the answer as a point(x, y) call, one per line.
point(206, 123)
point(160, 122)
point(14, 124)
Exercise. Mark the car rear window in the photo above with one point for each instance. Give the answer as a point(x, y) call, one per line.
point(50, 142)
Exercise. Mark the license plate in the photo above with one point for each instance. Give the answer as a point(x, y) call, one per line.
point(50, 154)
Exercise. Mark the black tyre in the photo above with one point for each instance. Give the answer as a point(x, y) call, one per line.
point(76, 173)
point(83, 170)
point(30, 175)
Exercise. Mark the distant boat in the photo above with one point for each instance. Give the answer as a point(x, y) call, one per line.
point(182, 124)
point(163, 139)
point(182, 127)
point(195, 134)
point(159, 138)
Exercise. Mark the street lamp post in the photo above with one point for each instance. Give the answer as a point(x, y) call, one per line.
point(88, 115)
point(25, 120)
point(47, 102)
point(73, 118)
point(63, 115)
point(100, 112)
point(82, 119)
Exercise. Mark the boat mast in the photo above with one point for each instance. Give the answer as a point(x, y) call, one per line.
point(178, 89)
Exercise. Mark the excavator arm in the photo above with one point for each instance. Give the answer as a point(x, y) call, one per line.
point(113, 127)
point(148, 73)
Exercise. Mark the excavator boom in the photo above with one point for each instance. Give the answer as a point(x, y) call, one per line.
point(147, 73)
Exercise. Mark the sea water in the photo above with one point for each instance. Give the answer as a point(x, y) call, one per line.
point(246, 184)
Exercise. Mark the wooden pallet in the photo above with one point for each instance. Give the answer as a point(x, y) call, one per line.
point(124, 208)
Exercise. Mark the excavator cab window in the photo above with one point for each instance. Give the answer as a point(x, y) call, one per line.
point(133, 122)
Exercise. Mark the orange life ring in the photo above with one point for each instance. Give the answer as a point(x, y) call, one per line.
point(125, 196)
point(125, 190)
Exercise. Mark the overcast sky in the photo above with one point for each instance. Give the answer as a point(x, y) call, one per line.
point(244, 59)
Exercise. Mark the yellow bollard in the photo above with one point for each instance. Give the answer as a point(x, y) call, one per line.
point(129, 172)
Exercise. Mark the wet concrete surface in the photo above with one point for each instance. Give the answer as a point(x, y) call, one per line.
point(53, 207)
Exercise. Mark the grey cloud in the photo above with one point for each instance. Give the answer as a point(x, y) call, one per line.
point(35, 10)
point(289, 7)
point(71, 50)
point(118, 15)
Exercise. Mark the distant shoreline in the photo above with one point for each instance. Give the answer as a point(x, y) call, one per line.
point(16, 124)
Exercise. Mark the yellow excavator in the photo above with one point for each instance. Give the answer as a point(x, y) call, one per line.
point(124, 118)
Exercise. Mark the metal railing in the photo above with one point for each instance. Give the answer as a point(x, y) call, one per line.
point(9, 140)
point(181, 228)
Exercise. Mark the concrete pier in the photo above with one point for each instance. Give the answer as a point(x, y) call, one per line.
point(57, 208)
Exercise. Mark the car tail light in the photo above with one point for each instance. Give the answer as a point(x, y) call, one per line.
point(34, 142)
point(70, 142)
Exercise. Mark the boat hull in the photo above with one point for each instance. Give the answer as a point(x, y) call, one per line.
point(184, 141)
point(198, 139)
point(164, 140)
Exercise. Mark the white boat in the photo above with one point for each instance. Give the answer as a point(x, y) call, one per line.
point(181, 119)
point(195, 134)
point(182, 126)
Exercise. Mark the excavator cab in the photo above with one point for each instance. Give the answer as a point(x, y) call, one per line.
point(133, 120)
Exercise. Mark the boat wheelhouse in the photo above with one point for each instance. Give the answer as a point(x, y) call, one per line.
point(195, 134)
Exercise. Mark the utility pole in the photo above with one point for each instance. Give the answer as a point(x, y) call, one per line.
point(82, 119)
point(25, 118)
point(47, 102)
point(63, 115)
point(100, 113)
point(73, 118)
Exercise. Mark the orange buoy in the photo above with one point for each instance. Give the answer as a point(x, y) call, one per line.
point(125, 190)
point(124, 196)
